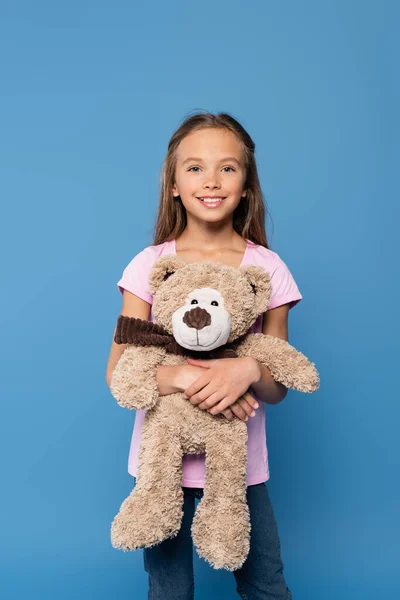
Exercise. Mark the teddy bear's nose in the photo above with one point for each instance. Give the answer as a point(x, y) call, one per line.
point(197, 318)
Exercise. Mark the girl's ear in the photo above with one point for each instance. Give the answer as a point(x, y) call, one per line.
point(164, 267)
point(260, 282)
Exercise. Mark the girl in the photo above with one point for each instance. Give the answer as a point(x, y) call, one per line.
point(212, 208)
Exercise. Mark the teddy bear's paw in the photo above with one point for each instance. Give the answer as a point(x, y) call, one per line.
point(222, 537)
point(141, 523)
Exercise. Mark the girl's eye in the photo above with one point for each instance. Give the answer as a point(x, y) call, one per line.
point(214, 303)
point(231, 168)
point(194, 302)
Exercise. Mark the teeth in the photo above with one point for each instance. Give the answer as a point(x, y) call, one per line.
point(211, 200)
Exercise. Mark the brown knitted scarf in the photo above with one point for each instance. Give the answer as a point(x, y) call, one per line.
point(140, 332)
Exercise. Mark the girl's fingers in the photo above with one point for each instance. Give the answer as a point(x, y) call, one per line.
point(212, 400)
point(235, 410)
point(226, 402)
point(246, 406)
point(250, 399)
point(217, 403)
point(197, 387)
point(220, 406)
point(238, 411)
point(228, 414)
point(203, 394)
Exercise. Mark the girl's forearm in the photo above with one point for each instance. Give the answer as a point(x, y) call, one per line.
point(168, 379)
point(267, 389)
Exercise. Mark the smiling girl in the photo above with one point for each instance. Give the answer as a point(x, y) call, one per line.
point(212, 208)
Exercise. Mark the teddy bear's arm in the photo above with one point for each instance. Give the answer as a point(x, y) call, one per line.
point(134, 379)
point(287, 365)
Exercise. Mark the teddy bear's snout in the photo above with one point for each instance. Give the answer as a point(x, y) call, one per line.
point(197, 318)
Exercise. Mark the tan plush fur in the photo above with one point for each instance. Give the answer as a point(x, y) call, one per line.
point(173, 426)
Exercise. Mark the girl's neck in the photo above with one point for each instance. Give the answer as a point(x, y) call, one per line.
point(227, 247)
point(210, 239)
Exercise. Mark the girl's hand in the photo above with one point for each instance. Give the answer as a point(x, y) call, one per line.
point(242, 408)
point(225, 380)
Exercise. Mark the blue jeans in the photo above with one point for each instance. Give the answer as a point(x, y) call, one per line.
point(170, 564)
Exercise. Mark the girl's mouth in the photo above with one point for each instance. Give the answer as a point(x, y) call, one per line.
point(211, 202)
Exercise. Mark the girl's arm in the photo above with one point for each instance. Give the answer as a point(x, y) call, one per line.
point(275, 322)
point(167, 375)
point(276, 358)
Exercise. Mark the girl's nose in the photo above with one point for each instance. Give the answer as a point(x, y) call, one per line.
point(209, 187)
point(211, 181)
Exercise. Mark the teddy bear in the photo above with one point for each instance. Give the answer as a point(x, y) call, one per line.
point(201, 310)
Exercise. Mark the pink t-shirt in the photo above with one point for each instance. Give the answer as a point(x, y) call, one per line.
point(284, 290)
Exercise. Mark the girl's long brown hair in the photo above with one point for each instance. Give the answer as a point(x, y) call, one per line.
point(249, 215)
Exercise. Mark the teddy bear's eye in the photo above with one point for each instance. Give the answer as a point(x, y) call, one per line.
point(194, 302)
point(214, 303)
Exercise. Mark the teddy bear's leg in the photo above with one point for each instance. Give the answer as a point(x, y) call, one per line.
point(221, 525)
point(153, 510)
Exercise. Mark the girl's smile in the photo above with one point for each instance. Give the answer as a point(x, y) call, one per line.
point(211, 201)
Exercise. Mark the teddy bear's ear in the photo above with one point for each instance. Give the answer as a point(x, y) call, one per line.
point(260, 282)
point(163, 268)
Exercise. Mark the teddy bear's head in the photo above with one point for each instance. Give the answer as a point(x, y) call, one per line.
point(206, 305)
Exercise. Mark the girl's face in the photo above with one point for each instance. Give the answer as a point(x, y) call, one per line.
point(210, 174)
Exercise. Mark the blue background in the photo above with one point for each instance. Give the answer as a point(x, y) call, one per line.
point(91, 93)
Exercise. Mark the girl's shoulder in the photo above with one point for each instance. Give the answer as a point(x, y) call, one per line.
point(136, 273)
point(149, 254)
point(284, 286)
point(153, 252)
point(260, 255)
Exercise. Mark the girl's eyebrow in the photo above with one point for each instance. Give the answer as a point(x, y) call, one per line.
point(227, 158)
